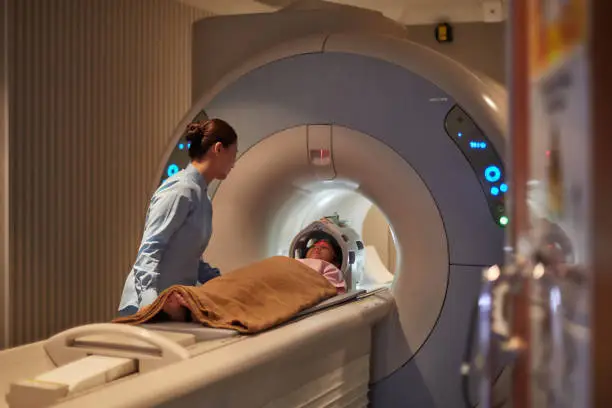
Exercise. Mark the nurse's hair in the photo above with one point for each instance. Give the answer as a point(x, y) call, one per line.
point(206, 133)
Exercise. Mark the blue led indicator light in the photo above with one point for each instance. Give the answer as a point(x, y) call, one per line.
point(172, 170)
point(494, 191)
point(188, 145)
point(503, 187)
point(459, 134)
point(478, 145)
point(492, 174)
point(181, 146)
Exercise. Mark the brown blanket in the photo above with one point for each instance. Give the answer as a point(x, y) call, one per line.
point(250, 299)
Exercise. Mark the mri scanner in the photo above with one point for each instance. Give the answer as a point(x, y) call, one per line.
point(343, 113)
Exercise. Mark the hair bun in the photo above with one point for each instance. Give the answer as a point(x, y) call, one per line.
point(206, 133)
point(194, 133)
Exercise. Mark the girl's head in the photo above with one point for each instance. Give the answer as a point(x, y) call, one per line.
point(325, 250)
point(213, 144)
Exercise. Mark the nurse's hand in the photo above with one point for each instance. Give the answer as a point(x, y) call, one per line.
point(176, 308)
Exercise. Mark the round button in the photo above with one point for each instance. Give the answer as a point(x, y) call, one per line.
point(494, 191)
point(492, 174)
point(172, 170)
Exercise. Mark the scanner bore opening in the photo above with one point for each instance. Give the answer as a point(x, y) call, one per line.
point(318, 199)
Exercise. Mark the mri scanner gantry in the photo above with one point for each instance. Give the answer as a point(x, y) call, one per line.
point(332, 113)
point(418, 134)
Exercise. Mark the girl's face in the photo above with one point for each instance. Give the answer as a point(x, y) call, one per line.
point(322, 250)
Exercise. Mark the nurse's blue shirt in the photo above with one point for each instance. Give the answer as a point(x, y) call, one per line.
point(178, 227)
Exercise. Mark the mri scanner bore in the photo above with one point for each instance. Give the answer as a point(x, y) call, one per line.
point(368, 226)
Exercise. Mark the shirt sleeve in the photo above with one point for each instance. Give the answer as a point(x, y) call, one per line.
point(167, 213)
point(329, 272)
point(207, 272)
point(335, 277)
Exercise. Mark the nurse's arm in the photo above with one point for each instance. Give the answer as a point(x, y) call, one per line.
point(165, 217)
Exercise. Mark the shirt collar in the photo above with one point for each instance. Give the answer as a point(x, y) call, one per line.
point(193, 174)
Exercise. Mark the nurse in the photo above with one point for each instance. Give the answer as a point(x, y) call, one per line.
point(178, 224)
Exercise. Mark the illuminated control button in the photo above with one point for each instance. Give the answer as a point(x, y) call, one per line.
point(172, 170)
point(503, 220)
point(181, 146)
point(494, 191)
point(459, 134)
point(492, 174)
point(188, 145)
point(478, 145)
point(503, 187)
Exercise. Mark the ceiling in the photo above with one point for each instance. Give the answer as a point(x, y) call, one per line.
point(408, 12)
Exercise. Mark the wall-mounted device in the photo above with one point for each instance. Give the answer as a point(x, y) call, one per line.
point(444, 33)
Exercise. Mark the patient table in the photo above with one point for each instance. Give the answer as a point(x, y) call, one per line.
point(319, 359)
